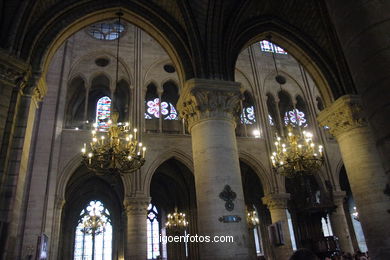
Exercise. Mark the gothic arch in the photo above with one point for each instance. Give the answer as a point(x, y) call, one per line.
point(176, 154)
point(259, 169)
point(52, 29)
point(303, 49)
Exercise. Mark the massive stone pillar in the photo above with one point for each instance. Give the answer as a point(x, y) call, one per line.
point(277, 205)
point(210, 108)
point(339, 223)
point(362, 27)
point(366, 175)
point(136, 235)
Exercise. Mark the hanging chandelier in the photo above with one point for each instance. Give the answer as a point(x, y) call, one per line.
point(252, 219)
point(93, 223)
point(117, 150)
point(176, 221)
point(296, 154)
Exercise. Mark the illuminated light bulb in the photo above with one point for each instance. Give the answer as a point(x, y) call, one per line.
point(276, 143)
point(281, 163)
point(320, 147)
point(109, 121)
point(140, 144)
point(315, 154)
point(94, 139)
point(127, 139)
point(289, 134)
point(76, 129)
point(283, 145)
point(130, 136)
point(93, 132)
point(135, 130)
point(90, 155)
point(299, 146)
point(312, 145)
point(272, 157)
point(102, 137)
point(129, 157)
point(284, 150)
point(94, 124)
point(256, 133)
point(127, 124)
point(278, 138)
point(274, 153)
point(83, 150)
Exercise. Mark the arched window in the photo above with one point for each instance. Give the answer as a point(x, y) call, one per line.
point(248, 110)
point(295, 117)
point(168, 101)
point(267, 46)
point(103, 112)
point(93, 236)
point(106, 30)
point(153, 229)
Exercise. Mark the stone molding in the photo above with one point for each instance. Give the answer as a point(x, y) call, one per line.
point(339, 197)
point(345, 114)
point(203, 99)
point(13, 72)
point(136, 205)
point(276, 201)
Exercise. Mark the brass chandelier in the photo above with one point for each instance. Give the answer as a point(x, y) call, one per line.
point(296, 154)
point(117, 150)
point(252, 219)
point(176, 221)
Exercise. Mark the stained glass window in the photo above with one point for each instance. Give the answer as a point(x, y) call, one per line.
point(168, 110)
point(153, 231)
point(93, 241)
point(295, 117)
point(103, 111)
point(267, 46)
point(106, 30)
point(248, 115)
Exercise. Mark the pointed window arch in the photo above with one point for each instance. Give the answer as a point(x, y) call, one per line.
point(91, 239)
point(153, 230)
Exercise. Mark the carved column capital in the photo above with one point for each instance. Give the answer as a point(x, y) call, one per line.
point(203, 99)
point(276, 201)
point(345, 114)
point(136, 205)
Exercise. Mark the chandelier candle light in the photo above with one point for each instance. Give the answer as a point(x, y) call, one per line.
point(176, 221)
point(116, 151)
point(297, 154)
point(252, 219)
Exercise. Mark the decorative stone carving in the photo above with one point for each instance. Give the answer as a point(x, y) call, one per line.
point(228, 195)
point(345, 114)
point(209, 99)
point(136, 205)
point(276, 201)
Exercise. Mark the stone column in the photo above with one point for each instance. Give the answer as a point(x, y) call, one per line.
point(136, 235)
point(277, 205)
point(364, 169)
point(339, 223)
point(211, 107)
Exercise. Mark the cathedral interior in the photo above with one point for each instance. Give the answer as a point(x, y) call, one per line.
point(263, 124)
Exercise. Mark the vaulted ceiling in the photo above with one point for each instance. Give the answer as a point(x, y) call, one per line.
point(203, 37)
